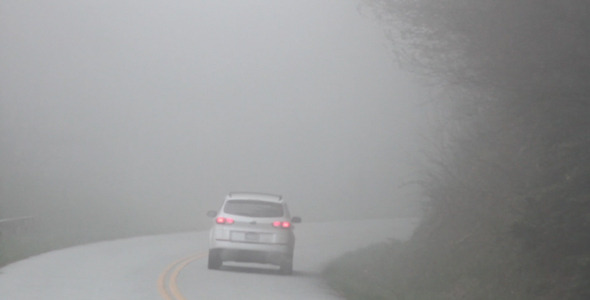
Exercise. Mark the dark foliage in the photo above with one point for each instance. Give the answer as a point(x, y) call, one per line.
point(510, 182)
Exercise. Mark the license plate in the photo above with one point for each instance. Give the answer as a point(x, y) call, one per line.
point(252, 237)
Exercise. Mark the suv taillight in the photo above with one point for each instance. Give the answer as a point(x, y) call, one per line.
point(222, 220)
point(281, 224)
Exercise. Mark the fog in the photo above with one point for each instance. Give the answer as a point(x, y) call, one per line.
point(146, 113)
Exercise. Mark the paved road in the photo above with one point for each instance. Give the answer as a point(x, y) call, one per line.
point(173, 267)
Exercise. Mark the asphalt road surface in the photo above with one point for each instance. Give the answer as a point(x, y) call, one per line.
point(173, 267)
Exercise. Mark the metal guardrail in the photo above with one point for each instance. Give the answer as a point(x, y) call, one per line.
point(14, 225)
point(8, 220)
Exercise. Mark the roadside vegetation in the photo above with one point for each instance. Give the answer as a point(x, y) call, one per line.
point(509, 175)
point(13, 249)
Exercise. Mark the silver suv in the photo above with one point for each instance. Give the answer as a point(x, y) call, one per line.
point(252, 227)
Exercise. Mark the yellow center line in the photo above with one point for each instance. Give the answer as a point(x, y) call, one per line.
point(169, 289)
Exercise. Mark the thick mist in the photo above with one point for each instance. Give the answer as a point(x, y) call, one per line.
point(122, 114)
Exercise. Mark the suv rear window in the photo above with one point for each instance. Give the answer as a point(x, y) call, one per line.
point(253, 208)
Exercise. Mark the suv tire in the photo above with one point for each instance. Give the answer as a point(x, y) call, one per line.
point(214, 262)
point(286, 267)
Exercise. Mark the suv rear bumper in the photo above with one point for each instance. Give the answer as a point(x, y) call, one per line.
point(252, 252)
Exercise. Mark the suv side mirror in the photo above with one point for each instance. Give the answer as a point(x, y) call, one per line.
point(211, 214)
point(296, 220)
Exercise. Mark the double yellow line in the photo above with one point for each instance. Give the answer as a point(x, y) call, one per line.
point(167, 285)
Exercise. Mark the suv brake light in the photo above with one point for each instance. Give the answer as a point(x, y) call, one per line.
point(280, 224)
point(222, 220)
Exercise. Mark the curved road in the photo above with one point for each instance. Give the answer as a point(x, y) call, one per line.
point(173, 267)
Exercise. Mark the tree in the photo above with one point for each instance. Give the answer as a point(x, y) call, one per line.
point(515, 163)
